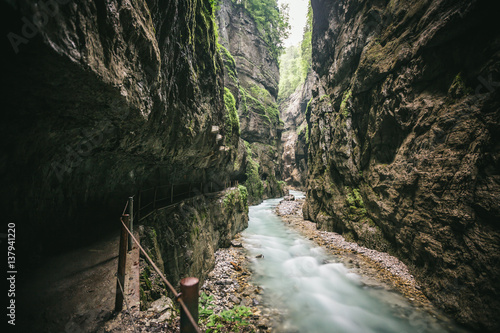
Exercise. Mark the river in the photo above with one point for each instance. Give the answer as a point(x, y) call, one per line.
point(314, 292)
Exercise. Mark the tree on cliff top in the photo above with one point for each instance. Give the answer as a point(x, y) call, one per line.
point(271, 20)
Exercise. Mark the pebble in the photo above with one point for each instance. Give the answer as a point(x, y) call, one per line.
point(293, 209)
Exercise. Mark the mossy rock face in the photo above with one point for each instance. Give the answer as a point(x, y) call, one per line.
point(252, 76)
point(182, 239)
point(403, 91)
point(458, 88)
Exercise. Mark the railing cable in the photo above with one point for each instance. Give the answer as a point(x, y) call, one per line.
point(172, 289)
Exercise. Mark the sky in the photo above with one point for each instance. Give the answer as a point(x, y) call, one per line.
point(298, 17)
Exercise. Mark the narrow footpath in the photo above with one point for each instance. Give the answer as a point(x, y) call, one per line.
point(75, 292)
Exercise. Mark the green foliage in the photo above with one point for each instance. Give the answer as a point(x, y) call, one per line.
point(290, 72)
point(226, 321)
point(232, 120)
point(305, 47)
point(253, 183)
point(344, 108)
point(271, 21)
point(205, 306)
point(229, 63)
point(229, 320)
point(237, 197)
point(295, 62)
point(243, 194)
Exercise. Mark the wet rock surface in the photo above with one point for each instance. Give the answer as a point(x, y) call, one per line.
point(376, 269)
point(252, 76)
point(403, 142)
point(229, 283)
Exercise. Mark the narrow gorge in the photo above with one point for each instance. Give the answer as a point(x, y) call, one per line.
point(191, 114)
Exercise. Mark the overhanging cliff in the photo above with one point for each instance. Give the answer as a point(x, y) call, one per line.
point(104, 98)
point(404, 141)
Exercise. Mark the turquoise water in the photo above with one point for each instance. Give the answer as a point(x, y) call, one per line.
point(317, 294)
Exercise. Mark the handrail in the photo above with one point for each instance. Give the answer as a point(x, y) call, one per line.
point(169, 285)
point(193, 187)
point(127, 233)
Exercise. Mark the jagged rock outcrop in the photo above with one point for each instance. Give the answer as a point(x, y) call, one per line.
point(252, 76)
point(105, 98)
point(293, 138)
point(404, 141)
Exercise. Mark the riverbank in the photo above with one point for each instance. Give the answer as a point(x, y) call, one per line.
point(376, 269)
point(229, 290)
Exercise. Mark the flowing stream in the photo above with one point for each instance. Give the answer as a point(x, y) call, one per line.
point(314, 292)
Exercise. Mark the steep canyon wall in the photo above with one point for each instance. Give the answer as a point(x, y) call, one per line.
point(252, 77)
point(104, 98)
point(404, 132)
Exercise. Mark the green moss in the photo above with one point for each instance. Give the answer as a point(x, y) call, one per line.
point(324, 97)
point(273, 114)
point(344, 108)
point(229, 63)
point(309, 109)
point(259, 93)
point(255, 104)
point(458, 87)
point(243, 101)
point(243, 195)
point(237, 198)
point(232, 120)
point(253, 183)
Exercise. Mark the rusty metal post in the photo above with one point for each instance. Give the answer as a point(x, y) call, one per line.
point(189, 291)
point(130, 225)
point(122, 262)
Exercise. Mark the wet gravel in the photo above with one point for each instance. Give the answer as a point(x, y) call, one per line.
point(230, 282)
point(290, 209)
point(376, 268)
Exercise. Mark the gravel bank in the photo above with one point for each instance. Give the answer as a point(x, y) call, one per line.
point(376, 268)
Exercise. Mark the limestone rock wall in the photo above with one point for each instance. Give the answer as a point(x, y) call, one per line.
point(182, 240)
point(252, 75)
point(104, 98)
point(404, 141)
point(293, 138)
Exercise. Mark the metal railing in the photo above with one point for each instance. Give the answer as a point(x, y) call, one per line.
point(158, 197)
point(188, 297)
